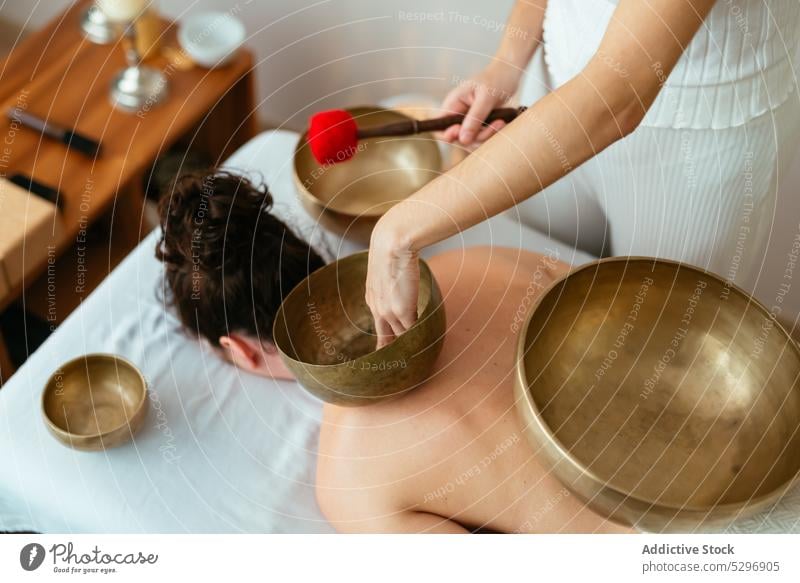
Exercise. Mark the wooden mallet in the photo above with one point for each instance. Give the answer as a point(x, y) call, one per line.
point(333, 135)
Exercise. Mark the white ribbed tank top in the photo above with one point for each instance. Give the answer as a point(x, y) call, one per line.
point(738, 66)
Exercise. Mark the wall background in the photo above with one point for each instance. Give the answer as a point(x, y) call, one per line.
point(316, 54)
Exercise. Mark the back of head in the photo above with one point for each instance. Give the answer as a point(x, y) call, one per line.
point(228, 261)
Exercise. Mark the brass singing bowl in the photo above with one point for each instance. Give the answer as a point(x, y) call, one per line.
point(661, 395)
point(325, 334)
point(348, 198)
point(95, 402)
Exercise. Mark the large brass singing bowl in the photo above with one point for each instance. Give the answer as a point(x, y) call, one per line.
point(349, 198)
point(325, 334)
point(662, 396)
point(95, 402)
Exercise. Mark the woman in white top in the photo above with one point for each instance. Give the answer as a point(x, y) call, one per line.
point(655, 127)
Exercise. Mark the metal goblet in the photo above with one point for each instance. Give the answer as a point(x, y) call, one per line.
point(137, 85)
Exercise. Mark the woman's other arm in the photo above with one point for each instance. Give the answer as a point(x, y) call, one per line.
point(499, 81)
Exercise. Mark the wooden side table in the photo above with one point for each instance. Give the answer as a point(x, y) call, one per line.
point(58, 75)
point(6, 366)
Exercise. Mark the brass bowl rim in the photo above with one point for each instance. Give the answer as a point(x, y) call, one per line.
point(530, 405)
point(430, 307)
point(372, 214)
point(93, 355)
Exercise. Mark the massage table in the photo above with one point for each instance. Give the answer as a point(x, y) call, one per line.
point(221, 451)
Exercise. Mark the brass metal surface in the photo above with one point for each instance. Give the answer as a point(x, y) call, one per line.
point(349, 198)
point(325, 334)
point(95, 402)
point(661, 395)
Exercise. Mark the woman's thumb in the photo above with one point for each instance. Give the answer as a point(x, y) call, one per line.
point(476, 115)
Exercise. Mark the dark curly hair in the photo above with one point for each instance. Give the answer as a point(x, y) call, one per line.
point(228, 261)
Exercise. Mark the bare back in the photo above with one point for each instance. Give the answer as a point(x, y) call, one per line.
point(452, 454)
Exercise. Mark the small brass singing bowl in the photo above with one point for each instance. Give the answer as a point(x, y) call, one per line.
point(348, 198)
point(95, 402)
point(325, 334)
point(664, 397)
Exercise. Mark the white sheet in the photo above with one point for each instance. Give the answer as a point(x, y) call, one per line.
point(220, 451)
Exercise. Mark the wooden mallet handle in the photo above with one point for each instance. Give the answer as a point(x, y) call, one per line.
point(413, 126)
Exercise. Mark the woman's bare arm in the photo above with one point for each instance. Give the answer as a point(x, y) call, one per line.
point(603, 104)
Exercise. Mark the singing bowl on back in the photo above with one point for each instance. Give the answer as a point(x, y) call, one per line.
point(95, 402)
point(325, 334)
point(349, 198)
point(661, 395)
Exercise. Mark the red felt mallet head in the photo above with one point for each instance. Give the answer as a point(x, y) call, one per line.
point(332, 136)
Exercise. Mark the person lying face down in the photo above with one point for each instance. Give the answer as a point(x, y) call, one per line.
point(451, 456)
point(228, 263)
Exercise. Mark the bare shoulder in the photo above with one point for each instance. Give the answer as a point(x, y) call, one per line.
point(363, 464)
point(494, 265)
point(486, 288)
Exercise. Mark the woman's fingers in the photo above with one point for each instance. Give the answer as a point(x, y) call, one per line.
point(477, 113)
point(475, 98)
point(451, 134)
point(397, 327)
point(384, 331)
point(391, 325)
point(392, 286)
point(490, 130)
point(457, 101)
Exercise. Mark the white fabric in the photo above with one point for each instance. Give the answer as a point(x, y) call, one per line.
point(221, 450)
point(737, 67)
point(706, 197)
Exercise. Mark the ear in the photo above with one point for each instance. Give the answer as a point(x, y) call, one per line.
point(252, 356)
point(240, 351)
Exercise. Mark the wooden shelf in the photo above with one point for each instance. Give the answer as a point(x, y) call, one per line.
point(58, 75)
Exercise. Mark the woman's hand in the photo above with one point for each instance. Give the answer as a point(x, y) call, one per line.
point(582, 117)
point(392, 284)
point(476, 97)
